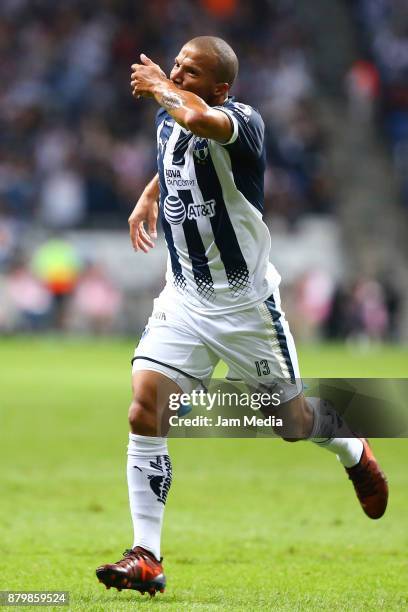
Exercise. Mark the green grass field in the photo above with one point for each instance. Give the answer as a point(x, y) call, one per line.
point(250, 524)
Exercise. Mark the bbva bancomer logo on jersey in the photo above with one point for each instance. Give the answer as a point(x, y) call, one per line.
point(175, 211)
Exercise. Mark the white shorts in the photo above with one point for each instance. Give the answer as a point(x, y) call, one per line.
point(256, 344)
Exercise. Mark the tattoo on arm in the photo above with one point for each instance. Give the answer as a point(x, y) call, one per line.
point(171, 100)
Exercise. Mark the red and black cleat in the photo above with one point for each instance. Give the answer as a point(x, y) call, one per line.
point(139, 570)
point(370, 483)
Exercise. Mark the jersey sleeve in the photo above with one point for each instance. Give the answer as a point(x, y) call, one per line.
point(161, 115)
point(248, 129)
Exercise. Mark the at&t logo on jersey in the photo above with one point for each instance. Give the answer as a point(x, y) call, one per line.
point(201, 210)
point(175, 211)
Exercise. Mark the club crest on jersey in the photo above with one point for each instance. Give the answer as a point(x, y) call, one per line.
point(200, 150)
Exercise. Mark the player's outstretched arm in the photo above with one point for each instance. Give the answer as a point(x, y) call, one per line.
point(188, 109)
point(145, 211)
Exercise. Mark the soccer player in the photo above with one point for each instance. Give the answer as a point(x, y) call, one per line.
point(221, 299)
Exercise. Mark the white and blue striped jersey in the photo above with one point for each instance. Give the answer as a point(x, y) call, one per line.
point(211, 205)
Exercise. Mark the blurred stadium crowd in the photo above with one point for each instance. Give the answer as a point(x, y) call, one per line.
point(76, 149)
point(381, 74)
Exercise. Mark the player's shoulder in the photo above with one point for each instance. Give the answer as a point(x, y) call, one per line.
point(246, 112)
point(248, 137)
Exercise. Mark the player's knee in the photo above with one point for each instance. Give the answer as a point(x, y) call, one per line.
point(142, 419)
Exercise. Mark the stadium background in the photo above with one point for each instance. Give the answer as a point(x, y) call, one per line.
point(76, 150)
point(331, 81)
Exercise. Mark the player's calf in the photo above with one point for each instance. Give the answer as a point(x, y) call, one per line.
point(297, 419)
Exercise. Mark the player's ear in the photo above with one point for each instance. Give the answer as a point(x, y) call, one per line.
point(221, 88)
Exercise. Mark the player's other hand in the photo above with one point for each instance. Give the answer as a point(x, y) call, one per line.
point(145, 212)
point(145, 77)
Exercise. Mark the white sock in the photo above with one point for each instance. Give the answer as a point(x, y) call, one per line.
point(331, 432)
point(149, 479)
